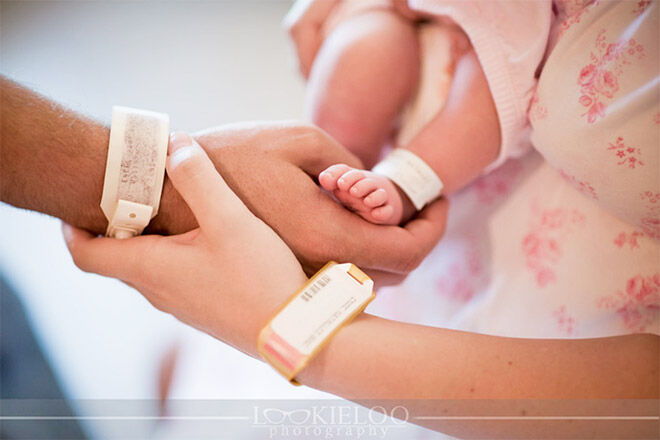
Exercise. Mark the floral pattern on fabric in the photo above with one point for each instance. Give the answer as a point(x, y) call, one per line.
point(542, 246)
point(638, 304)
point(627, 155)
point(581, 185)
point(598, 80)
point(651, 220)
point(497, 183)
point(565, 322)
point(459, 282)
point(537, 111)
point(641, 6)
point(628, 240)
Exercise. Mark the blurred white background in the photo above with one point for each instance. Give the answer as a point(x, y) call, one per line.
point(204, 63)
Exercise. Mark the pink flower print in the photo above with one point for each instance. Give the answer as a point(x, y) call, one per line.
point(639, 287)
point(651, 224)
point(541, 253)
point(638, 304)
point(565, 322)
point(542, 245)
point(581, 185)
point(585, 100)
point(641, 6)
point(587, 75)
point(629, 239)
point(464, 276)
point(536, 110)
point(606, 83)
point(629, 156)
point(574, 13)
point(497, 183)
point(650, 197)
point(651, 220)
point(595, 111)
point(598, 80)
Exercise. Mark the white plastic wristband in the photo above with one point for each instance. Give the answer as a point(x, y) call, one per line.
point(414, 176)
point(135, 170)
point(309, 319)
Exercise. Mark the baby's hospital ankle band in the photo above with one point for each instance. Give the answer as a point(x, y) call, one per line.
point(312, 316)
point(414, 176)
point(135, 170)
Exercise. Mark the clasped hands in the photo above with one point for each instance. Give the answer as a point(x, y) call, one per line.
point(256, 223)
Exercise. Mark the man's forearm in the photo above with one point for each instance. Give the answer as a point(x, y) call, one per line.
point(52, 160)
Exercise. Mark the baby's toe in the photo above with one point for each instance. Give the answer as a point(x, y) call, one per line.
point(328, 177)
point(376, 198)
point(382, 213)
point(363, 187)
point(349, 179)
point(350, 202)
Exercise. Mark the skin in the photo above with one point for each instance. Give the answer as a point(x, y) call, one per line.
point(361, 77)
point(45, 147)
point(244, 272)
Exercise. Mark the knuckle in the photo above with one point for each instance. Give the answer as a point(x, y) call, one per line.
point(191, 168)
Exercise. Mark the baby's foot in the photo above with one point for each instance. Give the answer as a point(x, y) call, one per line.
point(372, 196)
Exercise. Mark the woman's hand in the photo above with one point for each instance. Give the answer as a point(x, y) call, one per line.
point(226, 278)
point(271, 167)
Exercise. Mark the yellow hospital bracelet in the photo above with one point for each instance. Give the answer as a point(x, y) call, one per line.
point(312, 316)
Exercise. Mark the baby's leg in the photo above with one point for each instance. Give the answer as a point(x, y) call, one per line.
point(363, 75)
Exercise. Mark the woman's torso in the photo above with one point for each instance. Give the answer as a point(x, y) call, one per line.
point(563, 242)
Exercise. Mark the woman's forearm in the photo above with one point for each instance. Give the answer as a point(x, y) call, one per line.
point(378, 358)
point(374, 358)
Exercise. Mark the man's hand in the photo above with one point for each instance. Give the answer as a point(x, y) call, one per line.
point(226, 277)
point(52, 160)
point(272, 167)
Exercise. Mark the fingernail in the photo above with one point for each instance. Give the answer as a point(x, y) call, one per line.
point(179, 139)
point(67, 231)
point(183, 153)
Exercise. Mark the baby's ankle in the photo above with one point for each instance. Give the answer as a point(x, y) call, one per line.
point(408, 211)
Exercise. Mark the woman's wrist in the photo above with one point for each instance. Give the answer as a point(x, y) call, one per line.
point(251, 320)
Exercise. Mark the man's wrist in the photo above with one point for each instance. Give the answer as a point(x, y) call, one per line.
point(174, 216)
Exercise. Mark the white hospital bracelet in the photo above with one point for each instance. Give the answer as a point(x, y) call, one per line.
point(312, 315)
point(135, 170)
point(414, 176)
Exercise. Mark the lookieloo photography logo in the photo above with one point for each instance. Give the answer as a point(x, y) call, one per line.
point(330, 421)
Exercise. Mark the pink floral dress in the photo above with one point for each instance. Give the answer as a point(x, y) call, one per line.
point(562, 240)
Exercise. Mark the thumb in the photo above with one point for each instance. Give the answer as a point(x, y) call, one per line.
point(429, 226)
point(122, 259)
point(202, 188)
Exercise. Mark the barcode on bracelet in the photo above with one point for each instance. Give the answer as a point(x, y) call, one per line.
point(315, 287)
